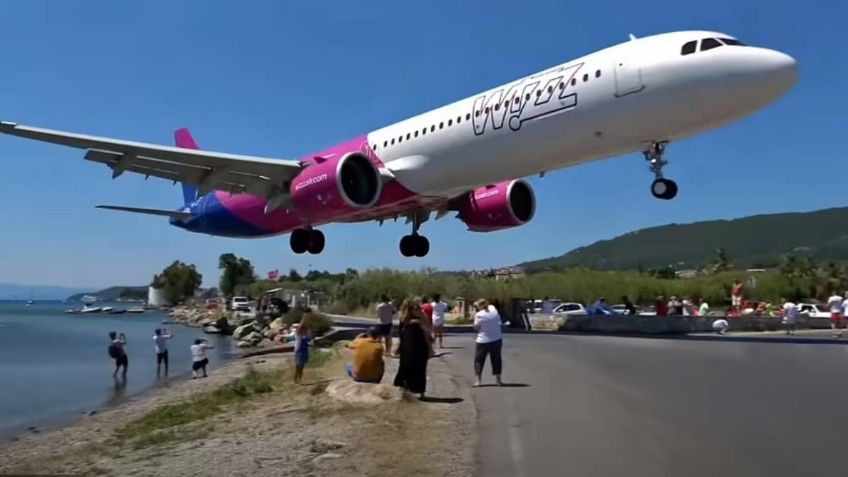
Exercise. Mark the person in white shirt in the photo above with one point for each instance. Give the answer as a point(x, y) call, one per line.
point(198, 357)
point(439, 309)
point(836, 318)
point(487, 323)
point(790, 317)
point(160, 342)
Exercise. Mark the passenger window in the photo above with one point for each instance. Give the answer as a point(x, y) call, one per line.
point(497, 106)
point(458, 119)
point(709, 44)
point(450, 122)
point(527, 97)
point(538, 92)
point(689, 48)
point(400, 139)
point(550, 89)
point(441, 125)
point(562, 86)
point(477, 113)
point(393, 141)
point(433, 128)
point(468, 117)
point(585, 78)
point(573, 81)
point(597, 73)
point(487, 110)
point(416, 133)
point(407, 136)
point(424, 131)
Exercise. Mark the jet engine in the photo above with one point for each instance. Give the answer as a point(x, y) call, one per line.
point(331, 188)
point(500, 206)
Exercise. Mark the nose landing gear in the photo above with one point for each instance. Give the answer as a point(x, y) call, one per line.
point(661, 188)
point(307, 240)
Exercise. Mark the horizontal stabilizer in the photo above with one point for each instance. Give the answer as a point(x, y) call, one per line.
point(174, 214)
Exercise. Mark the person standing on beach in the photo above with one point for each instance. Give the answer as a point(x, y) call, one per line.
point(386, 313)
point(414, 349)
point(119, 353)
point(198, 357)
point(160, 341)
point(301, 346)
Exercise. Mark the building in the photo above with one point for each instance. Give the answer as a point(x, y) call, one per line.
point(507, 273)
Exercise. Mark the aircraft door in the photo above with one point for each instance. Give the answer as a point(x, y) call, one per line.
point(628, 76)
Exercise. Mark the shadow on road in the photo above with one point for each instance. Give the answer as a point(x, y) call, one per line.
point(454, 400)
point(505, 385)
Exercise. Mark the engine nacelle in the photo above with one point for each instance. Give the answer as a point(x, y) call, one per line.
point(333, 187)
point(497, 207)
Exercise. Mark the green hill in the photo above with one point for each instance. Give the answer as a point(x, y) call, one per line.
point(114, 294)
point(756, 241)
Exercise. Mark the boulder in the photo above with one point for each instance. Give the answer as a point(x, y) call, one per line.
point(205, 321)
point(244, 330)
point(254, 337)
point(277, 324)
point(352, 392)
point(269, 333)
point(244, 344)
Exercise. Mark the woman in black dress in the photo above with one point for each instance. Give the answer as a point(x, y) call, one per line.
point(414, 349)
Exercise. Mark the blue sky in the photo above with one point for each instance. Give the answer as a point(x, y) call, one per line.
point(269, 78)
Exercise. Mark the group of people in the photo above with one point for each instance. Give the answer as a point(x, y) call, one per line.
point(118, 352)
point(421, 324)
point(686, 306)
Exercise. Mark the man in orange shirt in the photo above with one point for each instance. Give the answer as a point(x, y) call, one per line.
point(367, 365)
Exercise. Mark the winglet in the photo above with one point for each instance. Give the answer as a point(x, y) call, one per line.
point(632, 38)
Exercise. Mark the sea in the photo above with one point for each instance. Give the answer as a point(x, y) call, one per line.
point(55, 367)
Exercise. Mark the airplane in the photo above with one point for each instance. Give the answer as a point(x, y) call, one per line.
point(470, 156)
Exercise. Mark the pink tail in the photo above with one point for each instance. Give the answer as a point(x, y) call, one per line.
point(183, 139)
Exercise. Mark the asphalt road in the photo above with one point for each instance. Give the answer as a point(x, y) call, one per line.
point(612, 406)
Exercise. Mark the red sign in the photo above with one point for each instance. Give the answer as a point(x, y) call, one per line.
point(273, 274)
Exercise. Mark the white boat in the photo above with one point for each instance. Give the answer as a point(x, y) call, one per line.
point(135, 310)
point(90, 309)
point(106, 309)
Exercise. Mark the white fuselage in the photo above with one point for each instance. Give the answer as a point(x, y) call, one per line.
point(607, 103)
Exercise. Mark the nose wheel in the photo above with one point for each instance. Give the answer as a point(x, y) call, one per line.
point(661, 188)
point(307, 240)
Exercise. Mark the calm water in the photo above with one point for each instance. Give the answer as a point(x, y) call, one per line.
point(55, 366)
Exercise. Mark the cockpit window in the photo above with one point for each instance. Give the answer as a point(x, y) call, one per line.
point(732, 42)
point(689, 48)
point(709, 44)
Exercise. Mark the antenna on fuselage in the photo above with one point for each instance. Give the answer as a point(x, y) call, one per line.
point(632, 38)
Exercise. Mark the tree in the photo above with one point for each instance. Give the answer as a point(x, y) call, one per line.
point(720, 262)
point(294, 276)
point(179, 281)
point(236, 271)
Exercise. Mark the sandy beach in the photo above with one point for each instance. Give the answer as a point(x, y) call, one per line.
point(247, 418)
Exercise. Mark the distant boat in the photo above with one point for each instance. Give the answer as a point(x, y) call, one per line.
point(29, 303)
point(116, 311)
point(107, 309)
point(87, 308)
point(135, 310)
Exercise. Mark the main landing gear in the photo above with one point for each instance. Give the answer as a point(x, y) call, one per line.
point(307, 240)
point(661, 188)
point(414, 245)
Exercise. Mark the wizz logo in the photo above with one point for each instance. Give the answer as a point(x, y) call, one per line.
point(549, 93)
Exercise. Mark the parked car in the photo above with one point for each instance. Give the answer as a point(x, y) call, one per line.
point(621, 309)
point(212, 304)
point(240, 303)
point(570, 309)
point(813, 310)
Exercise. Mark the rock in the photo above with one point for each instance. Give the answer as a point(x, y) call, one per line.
point(244, 344)
point(243, 330)
point(91, 413)
point(269, 333)
point(206, 322)
point(253, 337)
point(363, 393)
point(322, 446)
point(277, 324)
point(326, 456)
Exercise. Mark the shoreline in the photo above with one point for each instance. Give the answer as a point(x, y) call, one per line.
point(301, 426)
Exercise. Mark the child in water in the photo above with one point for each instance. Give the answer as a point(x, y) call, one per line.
point(301, 346)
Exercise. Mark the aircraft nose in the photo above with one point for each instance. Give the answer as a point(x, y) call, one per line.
point(772, 69)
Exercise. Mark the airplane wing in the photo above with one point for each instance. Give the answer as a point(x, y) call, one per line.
point(208, 170)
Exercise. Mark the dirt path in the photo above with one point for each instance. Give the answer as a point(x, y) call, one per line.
point(282, 430)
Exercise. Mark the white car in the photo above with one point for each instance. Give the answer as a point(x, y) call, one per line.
point(240, 303)
point(570, 309)
point(813, 310)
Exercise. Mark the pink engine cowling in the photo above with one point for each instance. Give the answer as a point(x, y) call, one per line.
point(499, 206)
point(331, 188)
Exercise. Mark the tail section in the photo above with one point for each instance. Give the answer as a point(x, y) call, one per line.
point(182, 138)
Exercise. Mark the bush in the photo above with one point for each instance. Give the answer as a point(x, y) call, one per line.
point(319, 324)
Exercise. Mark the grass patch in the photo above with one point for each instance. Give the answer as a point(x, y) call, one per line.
point(148, 430)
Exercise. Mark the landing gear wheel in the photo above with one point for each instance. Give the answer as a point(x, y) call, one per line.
point(316, 242)
point(664, 189)
point(299, 240)
point(407, 245)
point(414, 246)
point(422, 246)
